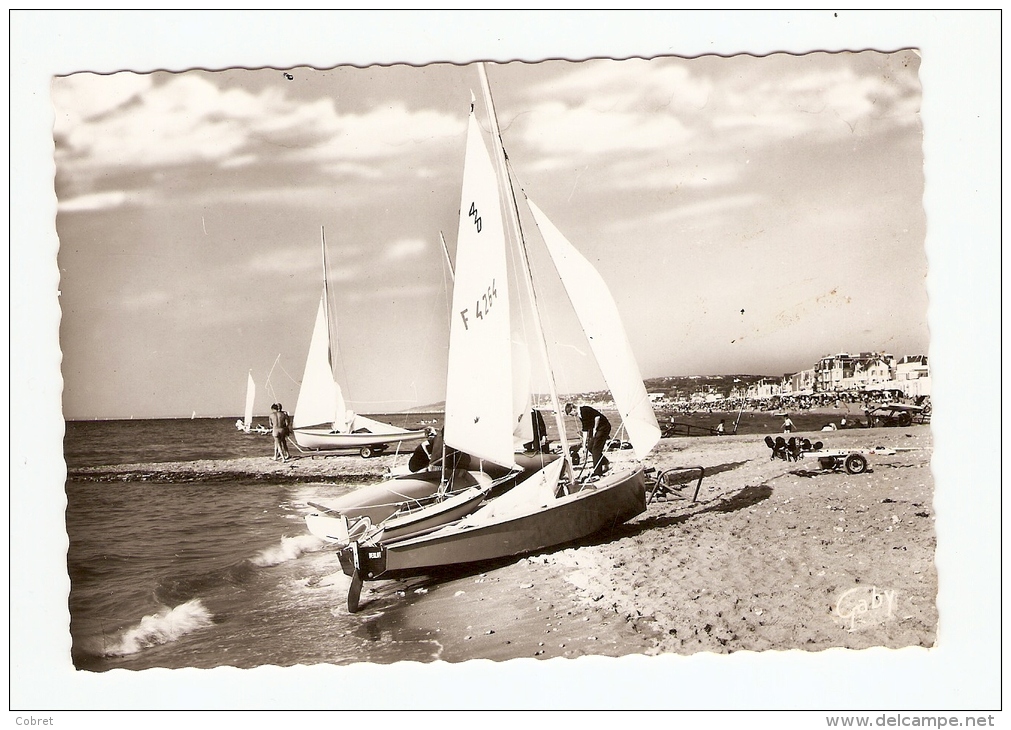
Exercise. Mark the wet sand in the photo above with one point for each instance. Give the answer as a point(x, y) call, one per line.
point(773, 555)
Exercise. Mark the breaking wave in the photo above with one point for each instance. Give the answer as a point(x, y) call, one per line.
point(290, 548)
point(162, 628)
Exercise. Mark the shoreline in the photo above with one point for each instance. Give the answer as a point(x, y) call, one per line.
point(773, 555)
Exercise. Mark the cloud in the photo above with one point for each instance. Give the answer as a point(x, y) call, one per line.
point(674, 108)
point(145, 299)
point(93, 201)
point(588, 131)
point(382, 132)
point(705, 209)
point(406, 248)
point(294, 261)
point(282, 261)
point(395, 293)
point(129, 120)
point(83, 98)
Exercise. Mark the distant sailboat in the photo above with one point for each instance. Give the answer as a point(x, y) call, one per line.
point(246, 424)
point(321, 420)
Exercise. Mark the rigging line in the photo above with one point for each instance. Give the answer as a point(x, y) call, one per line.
point(502, 161)
point(449, 262)
point(270, 386)
point(446, 286)
point(296, 382)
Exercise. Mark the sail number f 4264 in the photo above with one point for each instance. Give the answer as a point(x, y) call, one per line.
point(482, 306)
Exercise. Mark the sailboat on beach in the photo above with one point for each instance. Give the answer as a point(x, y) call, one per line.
point(553, 506)
point(485, 418)
point(321, 421)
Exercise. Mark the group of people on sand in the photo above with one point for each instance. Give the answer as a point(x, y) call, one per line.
point(280, 429)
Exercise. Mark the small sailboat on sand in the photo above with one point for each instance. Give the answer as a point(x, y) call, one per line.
point(551, 507)
point(321, 422)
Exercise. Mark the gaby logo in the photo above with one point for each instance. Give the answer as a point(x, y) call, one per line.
point(864, 605)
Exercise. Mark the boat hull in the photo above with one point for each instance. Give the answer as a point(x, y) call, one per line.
point(323, 439)
point(405, 503)
point(609, 502)
point(381, 501)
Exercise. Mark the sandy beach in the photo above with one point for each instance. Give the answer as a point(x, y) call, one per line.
point(773, 555)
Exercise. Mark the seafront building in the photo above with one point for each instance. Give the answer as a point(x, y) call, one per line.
point(875, 376)
point(860, 373)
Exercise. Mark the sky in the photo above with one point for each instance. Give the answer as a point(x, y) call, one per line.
point(749, 215)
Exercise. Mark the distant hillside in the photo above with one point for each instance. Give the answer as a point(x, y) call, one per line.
point(684, 385)
point(672, 386)
point(430, 408)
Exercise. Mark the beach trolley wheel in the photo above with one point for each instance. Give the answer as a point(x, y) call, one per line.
point(856, 464)
point(366, 452)
point(905, 420)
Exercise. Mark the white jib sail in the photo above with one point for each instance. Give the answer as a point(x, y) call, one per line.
point(319, 398)
point(531, 494)
point(522, 397)
point(601, 322)
point(250, 398)
point(479, 391)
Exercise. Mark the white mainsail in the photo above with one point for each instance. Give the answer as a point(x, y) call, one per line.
point(601, 322)
point(250, 398)
point(479, 392)
point(320, 399)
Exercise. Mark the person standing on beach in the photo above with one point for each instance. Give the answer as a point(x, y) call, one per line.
point(279, 431)
point(787, 424)
point(539, 442)
point(595, 430)
point(721, 429)
point(285, 431)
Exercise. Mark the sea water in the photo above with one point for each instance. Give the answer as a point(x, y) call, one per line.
point(206, 572)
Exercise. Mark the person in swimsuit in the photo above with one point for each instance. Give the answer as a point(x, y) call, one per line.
point(279, 431)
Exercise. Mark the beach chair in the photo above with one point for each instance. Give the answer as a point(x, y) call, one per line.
point(778, 447)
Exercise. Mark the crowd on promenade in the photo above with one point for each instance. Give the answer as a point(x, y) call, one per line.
point(863, 401)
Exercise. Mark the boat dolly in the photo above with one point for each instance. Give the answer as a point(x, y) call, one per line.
point(670, 482)
point(852, 461)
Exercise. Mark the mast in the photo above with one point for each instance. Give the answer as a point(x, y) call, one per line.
point(445, 250)
point(326, 302)
point(339, 417)
point(514, 219)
